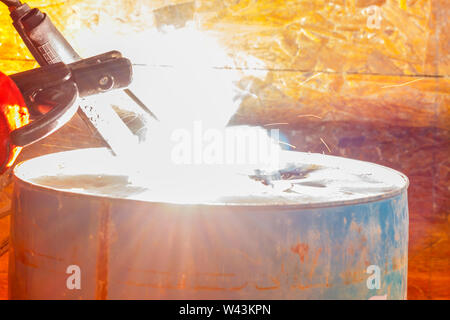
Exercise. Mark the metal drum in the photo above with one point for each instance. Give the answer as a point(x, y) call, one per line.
point(80, 231)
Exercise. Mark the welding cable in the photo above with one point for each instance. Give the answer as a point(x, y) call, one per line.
point(12, 3)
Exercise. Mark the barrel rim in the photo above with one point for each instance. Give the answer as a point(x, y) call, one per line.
point(288, 206)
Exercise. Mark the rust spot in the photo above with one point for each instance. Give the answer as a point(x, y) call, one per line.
point(215, 274)
point(266, 288)
point(311, 286)
point(314, 264)
point(149, 271)
point(182, 283)
point(274, 280)
point(221, 289)
point(397, 263)
point(22, 257)
point(301, 249)
point(101, 292)
point(150, 285)
point(353, 276)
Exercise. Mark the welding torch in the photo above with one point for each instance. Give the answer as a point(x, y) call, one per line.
point(63, 77)
point(36, 103)
point(46, 43)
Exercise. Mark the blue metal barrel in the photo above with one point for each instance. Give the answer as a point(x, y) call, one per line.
point(341, 233)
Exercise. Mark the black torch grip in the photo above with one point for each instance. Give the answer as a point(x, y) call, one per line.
point(42, 38)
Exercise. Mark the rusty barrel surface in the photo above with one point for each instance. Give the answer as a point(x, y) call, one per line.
point(341, 234)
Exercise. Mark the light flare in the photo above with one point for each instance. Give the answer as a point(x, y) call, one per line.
point(185, 76)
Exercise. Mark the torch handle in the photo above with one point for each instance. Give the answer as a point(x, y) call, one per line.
point(42, 38)
point(48, 45)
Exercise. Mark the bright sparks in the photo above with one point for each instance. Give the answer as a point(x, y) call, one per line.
point(17, 116)
point(188, 81)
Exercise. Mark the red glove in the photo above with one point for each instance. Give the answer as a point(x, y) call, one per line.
point(13, 115)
